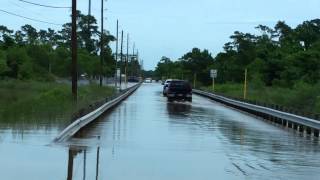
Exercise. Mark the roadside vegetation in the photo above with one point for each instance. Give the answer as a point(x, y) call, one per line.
point(30, 100)
point(300, 98)
point(283, 66)
point(31, 62)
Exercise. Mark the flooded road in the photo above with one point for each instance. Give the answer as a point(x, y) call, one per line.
point(146, 138)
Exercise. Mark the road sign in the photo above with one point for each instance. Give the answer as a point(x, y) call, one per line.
point(213, 73)
point(118, 73)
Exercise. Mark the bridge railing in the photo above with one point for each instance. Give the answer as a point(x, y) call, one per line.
point(83, 121)
point(297, 122)
point(86, 110)
point(278, 107)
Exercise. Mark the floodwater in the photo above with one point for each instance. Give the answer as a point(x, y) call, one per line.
point(146, 138)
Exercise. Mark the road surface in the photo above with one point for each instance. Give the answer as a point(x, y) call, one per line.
point(147, 138)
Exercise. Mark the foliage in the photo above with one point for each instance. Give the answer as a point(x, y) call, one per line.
point(42, 55)
point(34, 99)
point(302, 96)
point(279, 56)
point(194, 63)
point(283, 65)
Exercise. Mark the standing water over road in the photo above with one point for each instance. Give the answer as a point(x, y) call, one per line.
point(146, 138)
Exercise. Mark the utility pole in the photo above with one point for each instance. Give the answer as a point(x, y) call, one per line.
point(89, 8)
point(134, 70)
point(121, 54)
point(140, 64)
point(74, 72)
point(102, 44)
point(127, 60)
point(133, 49)
point(116, 79)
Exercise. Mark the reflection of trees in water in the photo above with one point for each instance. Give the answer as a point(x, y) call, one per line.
point(72, 153)
point(276, 147)
point(21, 123)
point(45, 123)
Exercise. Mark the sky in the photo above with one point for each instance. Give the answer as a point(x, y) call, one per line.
point(169, 27)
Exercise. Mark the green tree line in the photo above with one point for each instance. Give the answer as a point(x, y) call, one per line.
point(278, 56)
point(29, 53)
point(279, 59)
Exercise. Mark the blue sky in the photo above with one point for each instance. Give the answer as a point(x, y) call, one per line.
point(171, 27)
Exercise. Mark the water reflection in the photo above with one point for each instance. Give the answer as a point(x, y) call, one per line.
point(22, 129)
point(178, 108)
point(277, 145)
point(73, 152)
point(147, 138)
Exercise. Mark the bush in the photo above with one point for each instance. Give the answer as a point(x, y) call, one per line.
point(37, 100)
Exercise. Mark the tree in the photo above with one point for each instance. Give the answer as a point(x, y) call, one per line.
point(30, 33)
point(88, 29)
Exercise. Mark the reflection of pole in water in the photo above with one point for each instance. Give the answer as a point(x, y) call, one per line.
point(84, 163)
point(97, 166)
point(70, 164)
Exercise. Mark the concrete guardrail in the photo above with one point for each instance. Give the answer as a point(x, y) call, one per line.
point(74, 127)
point(300, 123)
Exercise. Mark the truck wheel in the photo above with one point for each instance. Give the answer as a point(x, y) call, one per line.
point(170, 99)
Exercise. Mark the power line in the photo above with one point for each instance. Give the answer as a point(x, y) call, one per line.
point(36, 20)
point(25, 9)
point(47, 6)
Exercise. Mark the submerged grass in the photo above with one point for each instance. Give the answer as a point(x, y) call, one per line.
point(302, 97)
point(20, 100)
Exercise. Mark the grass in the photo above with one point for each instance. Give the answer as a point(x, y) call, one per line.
point(27, 101)
point(302, 97)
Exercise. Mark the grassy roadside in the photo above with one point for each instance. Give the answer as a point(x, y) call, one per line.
point(303, 97)
point(31, 100)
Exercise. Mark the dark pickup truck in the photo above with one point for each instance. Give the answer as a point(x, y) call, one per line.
point(179, 90)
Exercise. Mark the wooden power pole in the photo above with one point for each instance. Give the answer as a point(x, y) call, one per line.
point(89, 8)
point(116, 79)
point(74, 72)
point(102, 45)
point(127, 61)
point(121, 55)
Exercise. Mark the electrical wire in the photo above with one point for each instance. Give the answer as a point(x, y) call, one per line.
point(46, 22)
point(47, 6)
point(25, 9)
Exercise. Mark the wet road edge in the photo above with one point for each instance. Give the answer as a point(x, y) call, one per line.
point(81, 122)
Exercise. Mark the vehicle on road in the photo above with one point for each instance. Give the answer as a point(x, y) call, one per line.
point(148, 80)
point(133, 79)
point(165, 85)
point(179, 90)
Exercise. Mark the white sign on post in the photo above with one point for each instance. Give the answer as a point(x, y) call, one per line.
point(118, 73)
point(213, 73)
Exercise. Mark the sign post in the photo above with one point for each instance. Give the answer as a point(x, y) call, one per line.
point(213, 74)
point(245, 84)
point(118, 76)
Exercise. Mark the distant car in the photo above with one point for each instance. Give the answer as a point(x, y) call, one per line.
point(165, 85)
point(148, 80)
point(133, 79)
point(179, 90)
